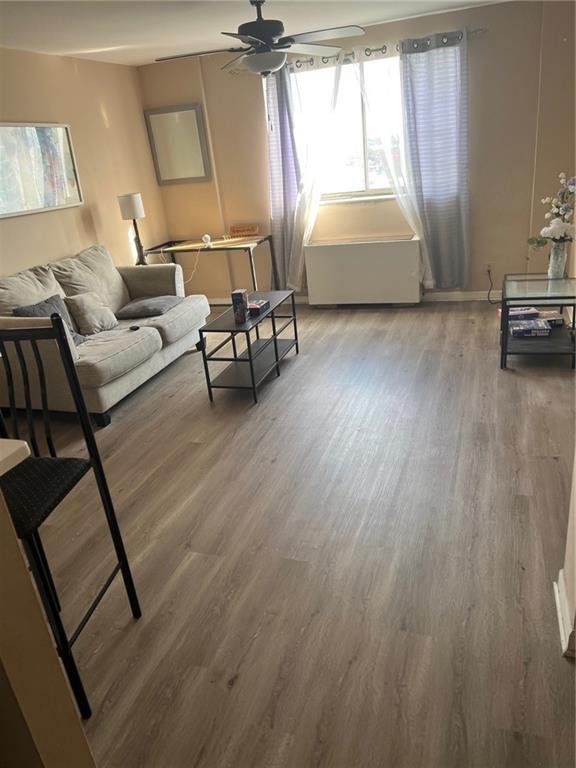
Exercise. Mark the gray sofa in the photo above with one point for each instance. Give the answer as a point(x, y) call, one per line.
point(113, 363)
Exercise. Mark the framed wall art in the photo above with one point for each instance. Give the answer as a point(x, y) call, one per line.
point(178, 143)
point(37, 169)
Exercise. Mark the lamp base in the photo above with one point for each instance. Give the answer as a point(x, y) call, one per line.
point(140, 255)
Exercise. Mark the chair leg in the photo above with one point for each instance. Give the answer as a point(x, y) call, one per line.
point(46, 569)
point(63, 646)
point(117, 539)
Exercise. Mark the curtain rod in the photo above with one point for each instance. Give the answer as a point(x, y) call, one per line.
point(382, 49)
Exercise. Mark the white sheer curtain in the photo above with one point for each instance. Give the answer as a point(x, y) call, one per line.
point(379, 80)
point(313, 138)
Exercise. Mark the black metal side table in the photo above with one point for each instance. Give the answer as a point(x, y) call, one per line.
point(520, 290)
point(249, 368)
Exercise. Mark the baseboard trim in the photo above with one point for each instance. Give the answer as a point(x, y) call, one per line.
point(428, 296)
point(565, 621)
point(460, 296)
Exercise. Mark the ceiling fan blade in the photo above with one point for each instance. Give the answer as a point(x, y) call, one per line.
point(201, 53)
point(324, 34)
point(247, 39)
point(314, 50)
point(236, 59)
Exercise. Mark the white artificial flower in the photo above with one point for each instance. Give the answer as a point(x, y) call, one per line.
point(562, 175)
point(571, 188)
point(547, 215)
point(558, 229)
point(546, 200)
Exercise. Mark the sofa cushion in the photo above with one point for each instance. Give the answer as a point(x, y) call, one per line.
point(187, 316)
point(110, 354)
point(90, 313)
point(148, 306)
point(28, 287)
point(46, 308)
point(92, 271)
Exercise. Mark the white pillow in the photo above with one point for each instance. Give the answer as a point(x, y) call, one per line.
point(90, 313)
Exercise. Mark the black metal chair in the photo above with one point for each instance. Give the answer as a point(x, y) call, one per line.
point(35, 487)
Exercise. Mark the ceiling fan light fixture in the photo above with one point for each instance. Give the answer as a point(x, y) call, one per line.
point(268, 61)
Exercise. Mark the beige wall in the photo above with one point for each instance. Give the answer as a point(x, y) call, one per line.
point(509, 147)
point(101, 102)
point(504, 83)
point(359, 220)
point(238, 190)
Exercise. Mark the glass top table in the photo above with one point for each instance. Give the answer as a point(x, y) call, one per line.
point(519, 290)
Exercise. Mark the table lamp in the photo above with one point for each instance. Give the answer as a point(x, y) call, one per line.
point(131, 208)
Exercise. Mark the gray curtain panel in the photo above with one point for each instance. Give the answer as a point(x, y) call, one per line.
point(284, 168)
point(435, 103)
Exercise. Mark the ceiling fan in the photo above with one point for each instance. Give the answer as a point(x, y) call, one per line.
point(267, 48)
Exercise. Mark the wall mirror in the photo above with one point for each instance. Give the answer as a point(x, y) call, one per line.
point(178, 143)
point(37, 169)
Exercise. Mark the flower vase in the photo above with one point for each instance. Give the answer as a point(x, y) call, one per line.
point(557, 263)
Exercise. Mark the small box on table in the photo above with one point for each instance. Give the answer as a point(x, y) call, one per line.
point(258, 306)
point(240, 305)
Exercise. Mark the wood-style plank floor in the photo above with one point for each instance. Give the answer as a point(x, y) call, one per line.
point(355, 573)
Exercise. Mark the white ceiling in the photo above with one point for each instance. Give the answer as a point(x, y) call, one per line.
point(135, 32)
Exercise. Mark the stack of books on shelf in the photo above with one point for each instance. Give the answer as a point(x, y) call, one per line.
point(527, 322)
point(529, 328)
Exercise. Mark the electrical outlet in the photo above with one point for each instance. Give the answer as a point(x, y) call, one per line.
point(489, 267)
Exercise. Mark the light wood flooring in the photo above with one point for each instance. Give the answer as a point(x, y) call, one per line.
point(355, 573)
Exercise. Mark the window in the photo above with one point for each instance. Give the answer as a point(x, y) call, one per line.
point(357, 164)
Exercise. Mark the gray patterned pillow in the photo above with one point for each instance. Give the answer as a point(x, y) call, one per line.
point(45, 309)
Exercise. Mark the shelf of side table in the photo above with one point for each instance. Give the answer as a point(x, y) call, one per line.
point(538, 290)
point(237, 374)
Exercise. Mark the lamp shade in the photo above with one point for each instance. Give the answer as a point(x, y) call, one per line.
point(131, 206)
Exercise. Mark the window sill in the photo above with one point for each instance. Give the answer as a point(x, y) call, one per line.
point(356, 199)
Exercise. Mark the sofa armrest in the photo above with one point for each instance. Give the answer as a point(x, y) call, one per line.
point(153, 280)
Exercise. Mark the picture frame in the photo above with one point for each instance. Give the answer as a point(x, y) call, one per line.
point(179, 144)
point(38, 170)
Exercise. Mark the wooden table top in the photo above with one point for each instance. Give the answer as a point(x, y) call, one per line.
point(12, 452)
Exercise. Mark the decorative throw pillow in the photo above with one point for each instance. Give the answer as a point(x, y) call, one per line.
point(90, 313)
point(26, 288)
point(92, 271)
point(48, 307)
point(148, 306)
